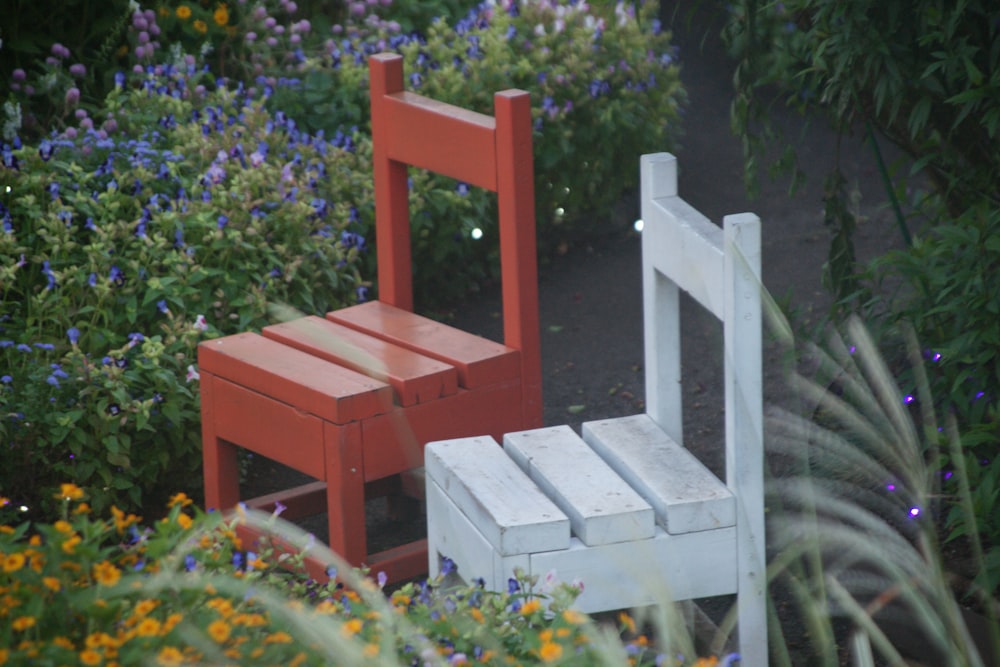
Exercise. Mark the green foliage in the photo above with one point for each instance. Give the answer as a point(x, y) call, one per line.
point(119, 254)
point(593, 73)
point(857, 510)
point(188, 590)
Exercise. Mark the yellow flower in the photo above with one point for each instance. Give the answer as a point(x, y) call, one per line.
point(530, 607)
point(184, 520)
point(627, 622)
point(249, 620)
point(52, 583)
point(184, 12)
point(219, 631)
point(63, 527)
point(13, 562)
point(706, 662)
point(82, 508)
point(122, 522)
point(145, 606)
point(221, 15)
point(63, 642)
point(106, 574)
point(371, 650)
point(69, 546)
point(179, 499)
point(550, 651)
point(172, 621)
point(278, 638)
point(69, 492)
point(200, 26)
point(170, 655)
point(90, 657)
point(351, 627)
point(477, 615)
point(574, 617)
point(22, 623)
point(4, 655)
point(150, 627)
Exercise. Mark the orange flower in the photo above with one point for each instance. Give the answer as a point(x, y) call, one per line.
point(52, 583)
point(22, 623)
point(150, 627)
point(69, 492)
point(13, 562)
point(219, 631)
point(106, 574)
point(351, 627)
point(184, 12)
point(278, 638)
point(89, 656)
point(200, 26)
point(179, 499)
point(221, 15)
point(530, 607)
point(170, 655)
point(550, 651)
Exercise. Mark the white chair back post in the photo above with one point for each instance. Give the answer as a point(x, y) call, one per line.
point(720, 268)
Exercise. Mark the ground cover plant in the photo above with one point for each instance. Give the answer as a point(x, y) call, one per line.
point(107, 589)
point(209, 182)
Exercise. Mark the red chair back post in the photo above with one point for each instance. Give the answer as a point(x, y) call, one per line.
point(491, 152)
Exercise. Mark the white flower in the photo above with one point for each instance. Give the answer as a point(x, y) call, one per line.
point(193, 373)
point(200, 324)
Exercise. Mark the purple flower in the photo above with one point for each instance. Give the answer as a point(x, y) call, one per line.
point(72, 96)
point(23, 347)
point(117, 276)
point(78, 69)
point(447, 565)
point(49, 275)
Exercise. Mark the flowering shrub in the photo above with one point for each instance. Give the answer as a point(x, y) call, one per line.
point(605, 88)
point(185, 202)
point(187, 590)
point(122, 246)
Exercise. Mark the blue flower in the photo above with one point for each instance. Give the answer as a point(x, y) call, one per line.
point(161, 305)
point(73, 334)
point(222, 221)
point(362, 293)
point(513, 586)
point(6, 379)
point(92, 280)
point(117, 276)
point(47, 272)
point(22, 347)
point(45, 346)
point(447, 565)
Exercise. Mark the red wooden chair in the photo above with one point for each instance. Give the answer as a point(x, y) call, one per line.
point(351, 399)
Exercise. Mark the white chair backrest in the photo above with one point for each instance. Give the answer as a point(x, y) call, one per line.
point(720, 268)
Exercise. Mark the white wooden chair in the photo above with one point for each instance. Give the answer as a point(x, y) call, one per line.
point(626, 508)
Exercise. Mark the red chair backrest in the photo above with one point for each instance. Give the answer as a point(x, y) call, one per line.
point(491, 152)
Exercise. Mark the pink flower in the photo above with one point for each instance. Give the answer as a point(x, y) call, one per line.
point(192, 373)
point(200, 324)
